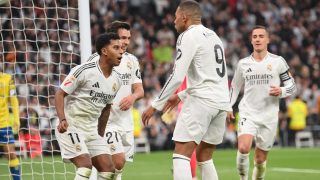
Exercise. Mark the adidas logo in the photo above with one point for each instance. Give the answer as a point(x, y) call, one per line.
point(248, 70)
point(96, 85)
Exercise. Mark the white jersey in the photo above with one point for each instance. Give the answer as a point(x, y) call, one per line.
point(129, 71)
point(89, 92)
point(200, 57)
point(257, 78)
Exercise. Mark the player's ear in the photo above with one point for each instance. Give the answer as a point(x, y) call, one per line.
point(104, 51)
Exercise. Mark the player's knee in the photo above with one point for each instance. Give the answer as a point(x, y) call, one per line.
point(119, 164)
point(83, 172)
point(260, 158)
point(243, 149)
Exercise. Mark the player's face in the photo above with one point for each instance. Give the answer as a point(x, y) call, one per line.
point(125, 37)
point(259, 40)
point(113, 52)
point(179, 22)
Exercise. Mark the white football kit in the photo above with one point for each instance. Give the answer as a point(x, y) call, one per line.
point(89, 91)
point(200, 57)
point(257, 109)
point(119, 131)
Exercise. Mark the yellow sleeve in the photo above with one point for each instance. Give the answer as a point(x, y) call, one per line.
point(14, 102)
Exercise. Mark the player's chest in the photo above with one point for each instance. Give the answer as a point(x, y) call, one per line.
point(125, 70)
point(259, 73)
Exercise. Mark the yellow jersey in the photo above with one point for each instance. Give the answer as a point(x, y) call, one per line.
point(8, 93)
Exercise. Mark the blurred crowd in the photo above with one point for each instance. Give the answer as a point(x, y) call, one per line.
point(40, 44)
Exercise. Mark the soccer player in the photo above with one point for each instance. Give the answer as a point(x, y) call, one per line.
point(261, 74)
point(201, 122)
point(85, 94)
point(8, 95)
point(119, 132)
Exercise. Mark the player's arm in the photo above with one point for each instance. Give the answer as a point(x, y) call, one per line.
point(59, 103)
point(137, 93)
point(136, 87)
point(186, 49)
point(103, 120)
point(236, 85)
point(289, 87)
point(14, 106)
point(67, 87)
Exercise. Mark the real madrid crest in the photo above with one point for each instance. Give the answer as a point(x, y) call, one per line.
point(269, 67)
point(114, 87)
point(129, 65)
point(113, 148)
point(78, 147)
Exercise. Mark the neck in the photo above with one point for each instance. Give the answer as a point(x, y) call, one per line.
point(193, 22)
point(258, 56)
point(105, 67)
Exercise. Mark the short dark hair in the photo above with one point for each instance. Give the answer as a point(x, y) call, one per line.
point(258, 27)
point(104, 40)
point(191, 7)
point(116, 25)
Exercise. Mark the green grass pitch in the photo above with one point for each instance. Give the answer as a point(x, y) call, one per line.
point(283, 164)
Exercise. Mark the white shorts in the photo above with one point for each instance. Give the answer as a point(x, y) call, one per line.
point(120, 142)
point(263, 133)
point(74, 143)
point(198, 122)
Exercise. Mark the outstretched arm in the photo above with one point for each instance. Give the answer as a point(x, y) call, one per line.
point(103, 120)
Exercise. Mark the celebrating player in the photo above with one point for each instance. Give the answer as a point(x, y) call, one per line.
point(85, 94)
point(119, 132)
point(201, 122)
point(260, 73)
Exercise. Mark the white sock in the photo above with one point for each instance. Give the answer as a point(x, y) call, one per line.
point(82, 173)
point(181, 167)
point(105, 176)
point(118, 174)
point(243, 165)
point(208, 170)
point(259, 171)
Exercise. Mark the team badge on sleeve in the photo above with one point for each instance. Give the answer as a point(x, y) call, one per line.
point(69, 81)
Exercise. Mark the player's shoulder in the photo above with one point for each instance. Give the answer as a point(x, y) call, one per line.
point(79, 69)
point(245, 60)
point(274, 56)
point(93, 57)
point(277, 58)
point(129, 57)
point(186, 35)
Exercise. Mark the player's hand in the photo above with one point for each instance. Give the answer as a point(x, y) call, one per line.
point(147, 114)
point(172, 102)
point(230, 116)
point(126, 103)
point(63, 126)
point(275, 91)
